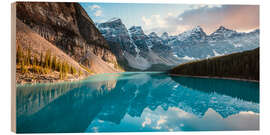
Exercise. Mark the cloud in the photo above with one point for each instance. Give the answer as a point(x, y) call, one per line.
point(98, 13)
point(96, 9)
point(154, 20)
point(93, 7)
point(209, 17)
point(146, 122)
point(146, 21)
point(239, 17)
point(161, 120)
point(155, 23)
point(203, 6)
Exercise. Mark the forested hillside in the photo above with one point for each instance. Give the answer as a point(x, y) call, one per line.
point(59, 41)
point(243, 65)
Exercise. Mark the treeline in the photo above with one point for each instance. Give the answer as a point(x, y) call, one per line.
point(244, 65)
point(43, 64)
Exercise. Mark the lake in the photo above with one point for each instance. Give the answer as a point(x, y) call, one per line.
point(138, 102)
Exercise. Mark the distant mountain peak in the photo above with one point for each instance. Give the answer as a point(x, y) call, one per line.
point(114, 19)
point(197, 32)
point(113, 23)
point(165, 35)
point(222, 29)
point(153, 34)
point(256, 30)
point(223, 32)
point(197, 28)
point(136, 30)
point(135, 27)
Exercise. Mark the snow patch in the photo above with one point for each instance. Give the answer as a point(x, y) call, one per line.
point(216, 53)
point(188, 58)
point(113, 19)
point(237, 45)
point(137, 62)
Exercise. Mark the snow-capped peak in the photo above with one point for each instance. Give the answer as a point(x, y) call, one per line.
point(165, 36)
point(222, 29)
point(197, 32)
point(222, 32)
point(136, 30)
point(114, 19)
point(255, 31)
point(197, 29)
point(153, 34)
point(112, 23)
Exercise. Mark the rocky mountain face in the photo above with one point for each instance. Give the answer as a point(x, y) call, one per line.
point(143, 51)
point(134, 47)
point(67, 26)
point(27, 39)
point(195, 44)
point(140, 40)
point(222, 33)
point(115, 32)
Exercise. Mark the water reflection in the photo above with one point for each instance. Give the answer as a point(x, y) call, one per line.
point(239, 89)
point(138, 102)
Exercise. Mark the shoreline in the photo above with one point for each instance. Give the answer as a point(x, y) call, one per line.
point(53, 77)
point(71, 78)
point(216, 77)
point(52, 80)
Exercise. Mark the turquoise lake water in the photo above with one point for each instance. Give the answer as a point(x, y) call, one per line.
point(138, 102)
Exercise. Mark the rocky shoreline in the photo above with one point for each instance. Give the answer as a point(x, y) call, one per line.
point(53, 77)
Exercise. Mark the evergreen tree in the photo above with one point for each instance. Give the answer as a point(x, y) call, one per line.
point(80, 72)
point(54, 63)
point(61, 70)
point(73, 70)
point(19, 54)
point(28, 57)
point(47, 59)
point(41, 60)
point(44, 65)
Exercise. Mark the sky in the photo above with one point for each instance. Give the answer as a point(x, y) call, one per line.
point(177, 18)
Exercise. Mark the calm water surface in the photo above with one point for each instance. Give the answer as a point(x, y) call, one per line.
point(138, 102)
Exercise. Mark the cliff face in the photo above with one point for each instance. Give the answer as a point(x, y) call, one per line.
point(67, 26)
point(28, 39)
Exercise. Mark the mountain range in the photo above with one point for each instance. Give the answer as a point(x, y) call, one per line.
point(145, 52)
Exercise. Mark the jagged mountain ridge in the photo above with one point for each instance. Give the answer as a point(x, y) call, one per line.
point(222, 41)
point(189, 45)
point(133, 46)
point(67, 26)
